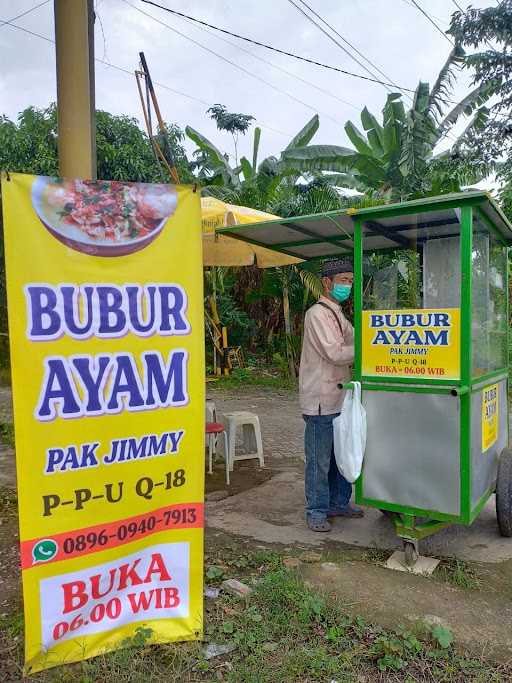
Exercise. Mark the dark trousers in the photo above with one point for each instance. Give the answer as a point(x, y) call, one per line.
point(326, 489)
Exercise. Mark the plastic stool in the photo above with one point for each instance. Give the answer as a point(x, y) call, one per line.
point(251, 431)
point(211, 416)
point(213, 429)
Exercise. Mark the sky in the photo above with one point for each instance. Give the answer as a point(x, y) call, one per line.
point(393, 34)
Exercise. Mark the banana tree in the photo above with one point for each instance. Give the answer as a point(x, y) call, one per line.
point(259, 180)
point(396, 158)
point(269, 185)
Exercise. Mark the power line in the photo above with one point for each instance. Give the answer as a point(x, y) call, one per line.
point(347, 42)
point(273, 65)
point(429, 18)
point(130, 73)
point(274, 49)
point(458, 6)
point(234, 64)
point(332, 39)
point(408, 2)
point(270, 47)
point(23, 14)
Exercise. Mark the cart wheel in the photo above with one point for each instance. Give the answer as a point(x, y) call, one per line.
point(504, 493)
point(411, 554)
point(389, 514)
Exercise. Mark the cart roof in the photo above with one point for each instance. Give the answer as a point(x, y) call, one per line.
point(386, 226)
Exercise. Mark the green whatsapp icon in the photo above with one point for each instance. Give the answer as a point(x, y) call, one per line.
point(44, 550)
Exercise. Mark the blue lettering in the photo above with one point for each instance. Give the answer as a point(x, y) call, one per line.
point(173, 307)
point(45, 321)
point(112, 318)
point(441, 339)
point(125, 385)
point(414, 338)
point(171, 388)
point(396, 337)
point(58, 393)
point(136, 312)
point(175, 438)
point(70, 299)
point(93, 385)
point(381, 338)
point(137, 448)
point(157, 447)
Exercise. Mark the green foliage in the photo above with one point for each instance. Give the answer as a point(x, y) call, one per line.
point(212, 164)
point(235, 124)
point(235, 318)
point(7, 434)
point(228, 628)
point(395, 159)
point(124, 152)
point(286, 631)
point(459, 573)
point(489, 30)
point(30, 144)
point(478, 28)
point(230, 122)
point(214, 573)
point(443, 636)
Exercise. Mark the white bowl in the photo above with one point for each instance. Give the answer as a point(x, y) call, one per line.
point(75, 238)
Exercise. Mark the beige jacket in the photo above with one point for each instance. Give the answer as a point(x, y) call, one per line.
point(326, 359)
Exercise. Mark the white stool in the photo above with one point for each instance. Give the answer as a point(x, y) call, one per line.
point(251, 432)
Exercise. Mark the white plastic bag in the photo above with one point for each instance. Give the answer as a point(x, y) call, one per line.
point(350, 434)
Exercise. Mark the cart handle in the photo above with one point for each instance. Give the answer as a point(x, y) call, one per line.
point(456, 391)
point(459, 391)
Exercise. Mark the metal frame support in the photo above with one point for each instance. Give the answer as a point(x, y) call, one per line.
point(466, 358)
point(408, 529)
point(74, 40)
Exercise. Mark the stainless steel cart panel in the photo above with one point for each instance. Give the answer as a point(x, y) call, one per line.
point(412, 451)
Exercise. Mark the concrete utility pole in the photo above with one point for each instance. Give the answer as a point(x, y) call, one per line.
point(74, 38)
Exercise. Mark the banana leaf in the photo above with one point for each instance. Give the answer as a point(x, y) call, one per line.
point(358, 139)
point(305, 135)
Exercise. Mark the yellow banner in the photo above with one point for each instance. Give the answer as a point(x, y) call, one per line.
point(104, 283)
point(490, 414)
point(415, 343)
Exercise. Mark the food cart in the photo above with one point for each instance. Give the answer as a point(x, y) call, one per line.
point(431, 351)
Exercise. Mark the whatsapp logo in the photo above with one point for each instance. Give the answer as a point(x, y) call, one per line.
point(44, 550)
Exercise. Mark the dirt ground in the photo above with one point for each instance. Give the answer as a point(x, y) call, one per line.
point(471, 593)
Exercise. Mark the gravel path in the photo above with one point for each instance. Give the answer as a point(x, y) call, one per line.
point(281, 421)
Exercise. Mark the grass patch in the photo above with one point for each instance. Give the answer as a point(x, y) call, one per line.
point(458, 573)
point(8, 502)
point(7, 434)
point(375, 556)
point(253, 376)
point(5, 376)
point(284, 632)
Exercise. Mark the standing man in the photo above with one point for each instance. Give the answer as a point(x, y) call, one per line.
point(327, 356)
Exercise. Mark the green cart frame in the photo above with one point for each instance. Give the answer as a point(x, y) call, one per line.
point(427, 464)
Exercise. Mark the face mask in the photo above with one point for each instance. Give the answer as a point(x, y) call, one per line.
point(341, 292)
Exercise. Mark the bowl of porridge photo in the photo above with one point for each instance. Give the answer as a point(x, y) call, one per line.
point(103, 218)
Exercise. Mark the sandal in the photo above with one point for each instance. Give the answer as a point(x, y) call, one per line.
point(319, 525)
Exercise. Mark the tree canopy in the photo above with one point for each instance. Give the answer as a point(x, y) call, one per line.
point(489, 32)
point(124, 152)
point(396, 158)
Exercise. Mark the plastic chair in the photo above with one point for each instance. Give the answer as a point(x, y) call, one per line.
point(251, 432)
point(213, 430)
